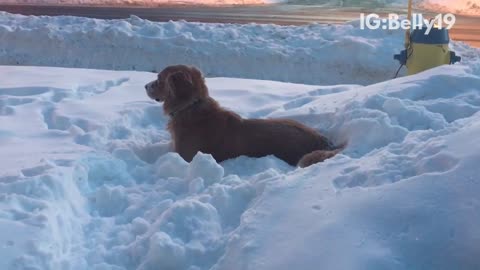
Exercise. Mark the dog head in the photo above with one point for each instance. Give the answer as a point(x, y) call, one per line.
point(177, 86)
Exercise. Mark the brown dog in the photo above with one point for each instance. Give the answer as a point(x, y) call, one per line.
point(198, 123)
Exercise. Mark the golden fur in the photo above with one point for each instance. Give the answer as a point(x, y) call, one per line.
point(198, 123)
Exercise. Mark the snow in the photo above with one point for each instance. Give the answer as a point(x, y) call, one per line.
point(306, 54)
point(87, 179)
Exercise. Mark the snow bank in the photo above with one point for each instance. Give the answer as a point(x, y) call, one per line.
point(312, 54)
point(401, 197)
point(87, 180)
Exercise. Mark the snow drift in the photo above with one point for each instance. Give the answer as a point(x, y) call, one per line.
point(294, 54)
point(314, 54)
point(87, 182)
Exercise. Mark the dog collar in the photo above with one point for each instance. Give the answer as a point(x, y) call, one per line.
point(174, 113)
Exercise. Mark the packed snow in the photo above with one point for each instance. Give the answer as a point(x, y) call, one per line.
point(88, 181)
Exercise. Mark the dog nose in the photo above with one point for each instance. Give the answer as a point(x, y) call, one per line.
point(149, 86)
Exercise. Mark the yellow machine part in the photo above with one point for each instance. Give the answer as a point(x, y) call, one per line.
point(425, 56)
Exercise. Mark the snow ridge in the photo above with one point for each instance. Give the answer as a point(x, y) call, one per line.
point(306, 54)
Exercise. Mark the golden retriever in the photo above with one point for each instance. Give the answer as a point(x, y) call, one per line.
point(198, 123)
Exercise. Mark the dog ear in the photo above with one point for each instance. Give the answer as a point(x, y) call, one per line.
point(180, 83)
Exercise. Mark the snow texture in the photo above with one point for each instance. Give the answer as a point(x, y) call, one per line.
point(87, 179)
point(311, 54)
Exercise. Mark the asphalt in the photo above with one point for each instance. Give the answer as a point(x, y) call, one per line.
point(466, 29)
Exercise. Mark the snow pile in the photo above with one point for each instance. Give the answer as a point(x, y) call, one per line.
point(87, 180)
point(313, 54)
point(402, 197)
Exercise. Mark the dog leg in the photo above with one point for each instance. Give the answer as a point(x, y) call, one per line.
point(319, 156)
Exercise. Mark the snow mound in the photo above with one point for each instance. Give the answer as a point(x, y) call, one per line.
point(87, 180)
point(312, 54)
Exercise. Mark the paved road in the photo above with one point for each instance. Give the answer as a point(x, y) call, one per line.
point(466, 29)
